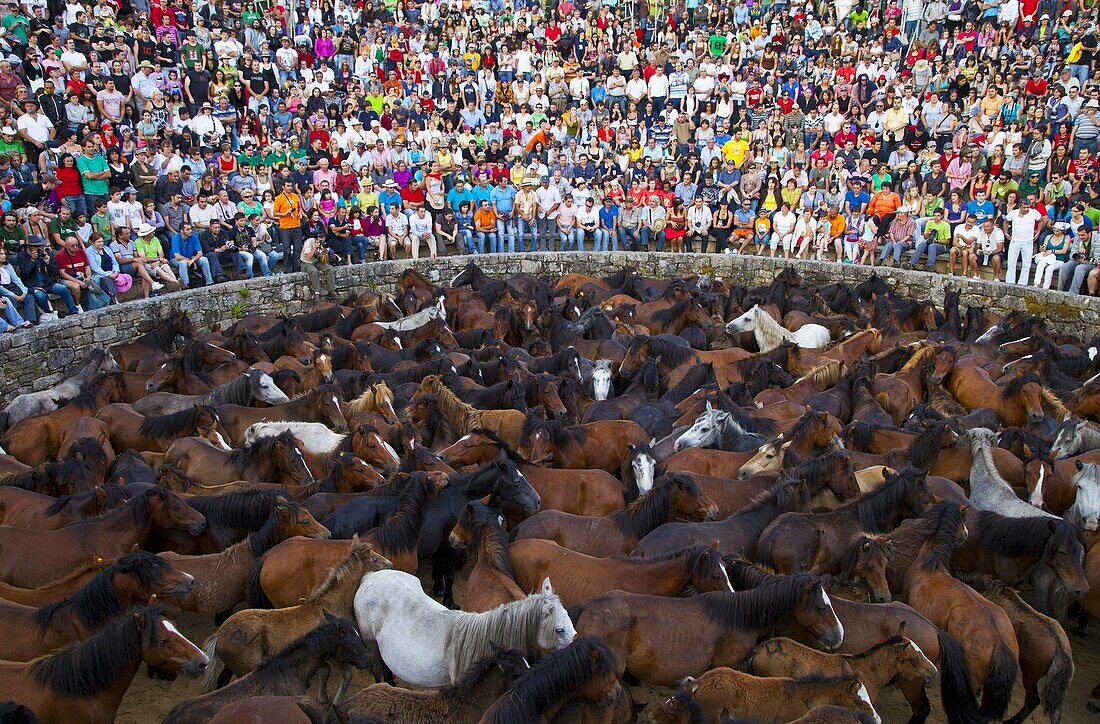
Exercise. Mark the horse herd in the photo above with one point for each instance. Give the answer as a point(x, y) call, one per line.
point(776, 501)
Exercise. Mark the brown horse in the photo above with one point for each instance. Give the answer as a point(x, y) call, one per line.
point(221, 579)
point(1048, 653)
point(160, 340)
point(675, 356)
point(33, 558)
point(250, 636)
point(463, 418)
point(813, 431)
point(582, 671)
point(290, 571)
point(463, 703)
point(1022, 401)
point(722, 691)
point(86, 681)
point(27, 509)
point(594, 445)
point(618, 533)
point(54, 590)
point(578, 577)
point(259, 709)
point(33, 440)
point(982, 629)
point(492, 580)
point(875, 668)
point(129, 430)
point(27, 633)
point(820, 542)
point(715, 629)
point(579, 492)
point(276, 459)
point(818, 379)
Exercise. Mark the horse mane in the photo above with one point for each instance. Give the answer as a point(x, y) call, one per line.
point(192, 363)
point(96, 602)
point(262, 448)
point(873, 508)
point(558, 432)
point(616, 280)
point(919, 357)
point(368, 400)
point(761, 607)
point(248, 509)
point(468, 682)
point(944, 539)
point(237, 391)
point(116, 495)
point(749, 365)
point(170, 426)
point(267, 537)
point(1021, 536)
point(517, 623)
point(1053, 405)
point(895, 640)
point(345, 325)
point(313, 643)
point(1017, 383)
point(812, 469)
point(670, 314)
point(926, 445)
point(452, 408)
point(28, 480)
point(86, 397)
point(763, 426)
point(826, 374)
point(487, 530)
point(87, 668)
point(673, 355)
point(317, 320)
point(802, 426)
point(558, 675)
point(649, 511)
point(402, 531)
point(337, 574)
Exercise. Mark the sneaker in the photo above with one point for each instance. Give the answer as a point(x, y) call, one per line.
point(48, 317)
point(79, 309)
point(157, 286)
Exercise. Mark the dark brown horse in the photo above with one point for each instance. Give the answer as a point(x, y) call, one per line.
point(595, 445)
point(160, 340)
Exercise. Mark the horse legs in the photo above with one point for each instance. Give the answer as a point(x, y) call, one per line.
point(443, 575)
point(914, 693)
point(322, 687)
point(1031, 701)
point(345, 680)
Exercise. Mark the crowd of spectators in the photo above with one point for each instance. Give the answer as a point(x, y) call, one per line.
point(159, 144)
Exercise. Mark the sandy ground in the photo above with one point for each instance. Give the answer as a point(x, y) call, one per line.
point(148, 700)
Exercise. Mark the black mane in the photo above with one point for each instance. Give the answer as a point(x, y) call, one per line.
point(759, 608)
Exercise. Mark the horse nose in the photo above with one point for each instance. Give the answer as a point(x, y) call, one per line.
point(938, 379)
point(742, 475)
point(1036, 418)
point(150, 386)
point(1080, 590)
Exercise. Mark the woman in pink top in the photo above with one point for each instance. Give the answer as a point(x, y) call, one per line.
point(958, 171)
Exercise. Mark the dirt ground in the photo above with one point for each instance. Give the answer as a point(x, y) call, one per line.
point(148, 700)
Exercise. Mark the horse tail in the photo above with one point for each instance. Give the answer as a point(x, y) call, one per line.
point(210, 676)
point(255, 592)
point(1059, 676)
point(958, 698)
point(1000, 677)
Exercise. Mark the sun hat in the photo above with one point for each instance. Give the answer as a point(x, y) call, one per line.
point(123, 282)
point(146, 230)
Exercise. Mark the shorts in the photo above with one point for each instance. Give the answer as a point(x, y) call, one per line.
point(987, 259)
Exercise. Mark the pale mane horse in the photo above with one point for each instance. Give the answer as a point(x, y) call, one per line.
point(770, 334)
point(426, 644)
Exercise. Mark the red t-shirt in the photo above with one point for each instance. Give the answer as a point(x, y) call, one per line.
point(75, 264)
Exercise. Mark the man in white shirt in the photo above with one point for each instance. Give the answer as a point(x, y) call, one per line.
point(547, 198)
point(651, 223)
point(588, 219)
point(699, 218)
point(35, 129)
point(420, 230)
point(1022, 227)
point(202, 213)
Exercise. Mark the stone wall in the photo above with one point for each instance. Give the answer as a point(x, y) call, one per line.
point(39, 358)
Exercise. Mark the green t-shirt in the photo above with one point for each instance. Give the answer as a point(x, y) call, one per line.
point(12, 240)
point(17, 25)
point(271, 160)
point(255, 208)
point(64, 229)
point(95, 164)
point(717, 45)
point(248, 159)
point(942, 229)
point(10, 147)
point(102, 224)
point(191, 54)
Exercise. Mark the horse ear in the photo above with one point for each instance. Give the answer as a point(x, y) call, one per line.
point(1077, 464)
point(691, 684)
point(709, 406)
point(1052, 525)
point(136, 548)
point(714, 544)
point(328, 616)
point(546, 587)
point(153, 600)
point(631, 447)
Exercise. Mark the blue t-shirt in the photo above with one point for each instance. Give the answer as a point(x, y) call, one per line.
point(608, 215)
point(482, 193)
point(857, 201)
point(980, 210)
point(455, 198)
point(386, 199)
point(502, 198)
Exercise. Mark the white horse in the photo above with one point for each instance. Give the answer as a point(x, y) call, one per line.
point(770, 334)
point(314, 436)
point(601, 379)
point(29, 404)
point(1073, 437)
point(988, 489)
point(426, 644)
point(415, 321)
point(1085, 510)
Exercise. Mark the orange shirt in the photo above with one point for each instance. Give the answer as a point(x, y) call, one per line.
point(883, 203)
point(288, 210)
point(485, 219)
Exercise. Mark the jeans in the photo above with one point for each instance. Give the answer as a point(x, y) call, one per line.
point(506, 229)
point(215, 260)
point(897, 248)
point(1019, 253)
point(292, 249)
point(482, 237)
point(547, 230)
point(571, 238)
point(467, 237)
point(77, 204)
point(934, 249)
point(627, 238)
point(90, 201)
point(11, 315)
point(604, 240)
point(359, 243)
point(526, 227)
point(182, 270)
point(1072, 275)
point(1079, 143)
point(59, 289)
point(647, 234)
point(1080, 72)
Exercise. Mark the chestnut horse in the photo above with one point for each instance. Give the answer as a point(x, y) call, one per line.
point(594, 445)
point(711, 629)
point(492, 580)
